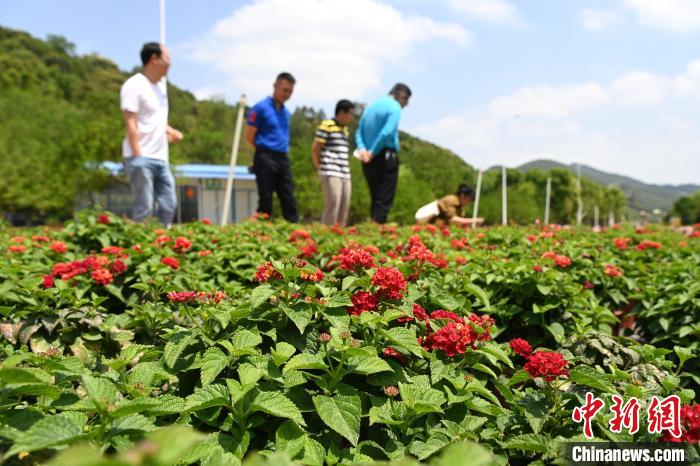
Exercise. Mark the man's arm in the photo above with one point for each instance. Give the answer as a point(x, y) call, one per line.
point(465, 221)
point(250, 132)
point(174, 136)
point(316, 153)
point(391, 126)
point(132, 133)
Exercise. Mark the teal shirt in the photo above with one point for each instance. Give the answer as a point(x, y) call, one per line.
point(379, 126)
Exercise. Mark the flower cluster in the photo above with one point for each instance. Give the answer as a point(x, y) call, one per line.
point(307, 246)
point(547, 364)
point(622, 243)
point(690, 425)
point(196, 296)
point(458, 334)
point(395, 354)
point(267, 272)
point(560, 260)
point(647, 244)
point(521, 347)
point(390, 281)
point(363, 301)
point(355, 256)
point(182, 245)
point(416, 251)
point(100, 269)
point(171, 262)
point(59, 247)
point(612, 271)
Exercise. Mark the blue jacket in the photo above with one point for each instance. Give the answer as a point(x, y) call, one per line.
point(379, 126)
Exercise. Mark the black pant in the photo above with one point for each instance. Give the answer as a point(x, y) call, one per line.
point(273, 173)
point(382, 175)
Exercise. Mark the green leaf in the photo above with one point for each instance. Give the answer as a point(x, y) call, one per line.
point(213, 362)
point(276, 404)
point(260, 295)
point(51, 431)
point(528, 442)
point(366, 364)
point(405, 339)
point(175, 347)
point(477, 387)
point(172, 443)
point(101, 391)
point(348, 282)
point(497, 352)
point(338, 300)
point(557, 331)
point(245, 339)
point(248, 374)
point(535, 411)
point(463, 453)
point(290, 438)
point(301, 316)
point(305, 361)
point(18, 375)
point(485, 369)
point(420, 399)
point(139, 405)
point(207, 397)
point(341, 413)
point(520, 376)
point(683, 353)
point(479, 293)
point(589, 377)
point(314, 453)
point(544, 290)
point(282, 352)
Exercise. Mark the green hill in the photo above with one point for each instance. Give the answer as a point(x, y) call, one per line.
point(641, 196)
point(61, 112)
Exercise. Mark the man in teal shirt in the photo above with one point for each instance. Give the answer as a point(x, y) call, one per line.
point(377, 140)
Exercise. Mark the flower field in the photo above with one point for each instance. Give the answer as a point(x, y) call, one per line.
point(124, 344)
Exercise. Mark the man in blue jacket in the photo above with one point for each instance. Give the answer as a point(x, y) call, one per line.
point(377, 140)
point(268, 133)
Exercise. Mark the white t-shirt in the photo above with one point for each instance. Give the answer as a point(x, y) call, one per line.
point(150, 104)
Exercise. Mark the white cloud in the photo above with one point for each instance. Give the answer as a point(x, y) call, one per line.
point(687, 84)
point(492, 11)
point(551, 101)
point(210, 93)
point(640, 124)
point(334, 48)
point(671, 15)
point(595, 20)
point(640, 88)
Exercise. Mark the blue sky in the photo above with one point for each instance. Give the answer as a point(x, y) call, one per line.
point(611, 83)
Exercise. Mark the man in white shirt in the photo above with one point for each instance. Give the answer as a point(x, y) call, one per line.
point(144, 101)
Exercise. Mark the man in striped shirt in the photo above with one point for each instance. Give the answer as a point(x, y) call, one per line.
point(330, 156)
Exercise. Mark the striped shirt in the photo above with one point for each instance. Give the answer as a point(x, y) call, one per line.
point(335, 150)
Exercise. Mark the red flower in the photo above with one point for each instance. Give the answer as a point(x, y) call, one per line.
point(103, 219)
point(547, 364)
point(457, 335)
point(18, 239)
point(117, 267)
point(267, 272)
point(137, 248)
point(162, 239)
point(646, 244)
point(299, 235)
point(690, 424)
point(521, 347)
point(41, 239)
point(549, 255)
point(102, 276)
point(390, 281)
point(16, 248)
point(588, 285)
point(419, 313)
point(531, 238)
point(313, 277)
point(112, 250)
point(446, 315)
point(206, 221)
point(354, 257)
point(182, 245)
point(48, 281)
point(612, 271)
point(562, 261)
point(171, 262)
point(459, 244)
point(537, 268)
point(362, 301)
point(204, 253)
point(182, 296)
point(621, 243)
point(308, 250)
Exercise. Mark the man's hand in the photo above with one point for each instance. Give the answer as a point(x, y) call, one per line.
point(174, 136)
point(365, 156)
